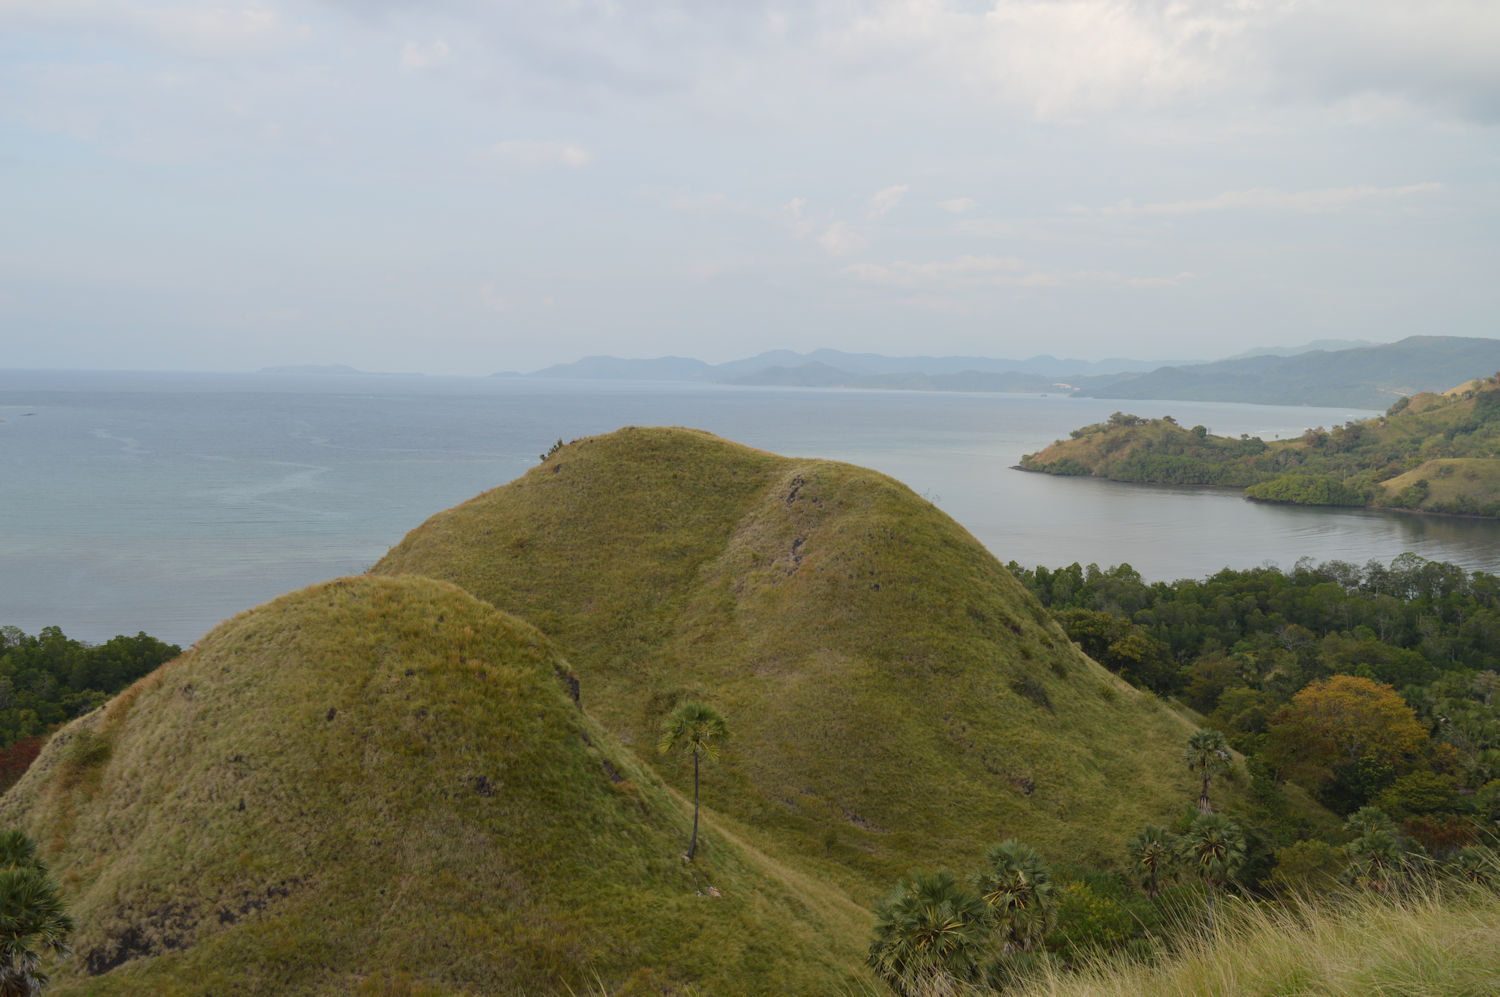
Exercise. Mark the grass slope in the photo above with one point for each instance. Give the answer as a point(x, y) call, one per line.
point(1436, 453)
point(895, 697)
point(381, 785)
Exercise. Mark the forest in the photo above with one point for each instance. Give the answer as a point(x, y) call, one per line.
point(48, 678)
point(1367, 689)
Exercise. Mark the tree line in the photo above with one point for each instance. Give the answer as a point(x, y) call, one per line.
point(49, 678)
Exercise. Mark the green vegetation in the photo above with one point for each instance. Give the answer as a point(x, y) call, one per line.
point(892, 686)
point(389, 784)
point(1429, 453)
point(34, 921)
point(383, 785)
point(50, 678)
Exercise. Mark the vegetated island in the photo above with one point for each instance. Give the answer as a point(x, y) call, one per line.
point(1434, 453)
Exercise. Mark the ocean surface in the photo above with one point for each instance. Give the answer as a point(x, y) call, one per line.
point(169, 502)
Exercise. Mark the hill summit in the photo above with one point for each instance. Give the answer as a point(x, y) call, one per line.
point(895, 696)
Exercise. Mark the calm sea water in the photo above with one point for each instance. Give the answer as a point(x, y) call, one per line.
point(168, 502)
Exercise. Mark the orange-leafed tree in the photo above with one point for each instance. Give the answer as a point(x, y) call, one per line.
point(1341, 723)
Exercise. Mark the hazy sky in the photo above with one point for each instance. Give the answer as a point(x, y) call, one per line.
point(465, 186)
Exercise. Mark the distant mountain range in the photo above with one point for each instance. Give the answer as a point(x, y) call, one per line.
point(1326, 373)
point(1367, 377)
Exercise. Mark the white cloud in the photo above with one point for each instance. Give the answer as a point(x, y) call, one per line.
point(1268, 199)
point(882, 202)
point(417, 55)
point(958, 205)
point(200, 29)
point(526, 154)
point(840, 240)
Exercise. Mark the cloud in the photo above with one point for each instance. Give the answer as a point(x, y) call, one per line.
point(417, 56)
point(958, 205)
point(199, 29)
point(1267, 199)
point(838, 239)
point(883, 201)
point(529, 155)
point(1434, 53)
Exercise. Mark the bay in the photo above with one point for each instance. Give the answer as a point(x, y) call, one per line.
point(168, 502)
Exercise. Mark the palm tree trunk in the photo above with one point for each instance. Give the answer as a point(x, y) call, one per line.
point(693, 846)
point(1204, 807)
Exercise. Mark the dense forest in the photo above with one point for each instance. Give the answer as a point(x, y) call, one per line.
point(49, 678)
point(1429, 452)
point(1251, 650)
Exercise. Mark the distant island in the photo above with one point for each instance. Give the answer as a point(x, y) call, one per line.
point(1437, 453)
point(1328, 373)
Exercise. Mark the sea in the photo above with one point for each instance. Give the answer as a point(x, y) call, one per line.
point(167, 502)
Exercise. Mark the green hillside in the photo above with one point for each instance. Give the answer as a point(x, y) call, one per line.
point(382, 786)
point(1429, 453)
point(896, 698)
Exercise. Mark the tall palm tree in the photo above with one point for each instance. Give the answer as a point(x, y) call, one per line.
point(33, 918)
point(1214, 848)
point(1151, 852)
point(1017, 888)
point(929, 935)
point(696, 728)
point(1207, 753)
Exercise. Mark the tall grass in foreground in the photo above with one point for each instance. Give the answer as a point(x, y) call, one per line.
point(1438, 941)
point(1441, 940)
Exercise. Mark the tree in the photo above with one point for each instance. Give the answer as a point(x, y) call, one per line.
point(1151, 855)
point(1380, 857)
point(33, 918)
point(699, 729)
point(1214, 848)
point(929, 934)
point(1487, 681)
point(1206, 754)
point(1344, 724)
point(1017, 890)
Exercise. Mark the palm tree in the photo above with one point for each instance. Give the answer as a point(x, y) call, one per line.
point(1380, 858)
point(929, 935)
point(1475, 864)
point(1151, 854)
point(1017, 888)
point(33, 918)
point(697, 728)
point(1214, 848)
point(1206, 754)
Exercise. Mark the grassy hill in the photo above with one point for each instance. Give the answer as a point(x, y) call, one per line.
point(1436, 453)
point(896, 698)
point(382, 786)
point(1367, 377)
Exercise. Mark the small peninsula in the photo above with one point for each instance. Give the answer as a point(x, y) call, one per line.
point(1434, 453)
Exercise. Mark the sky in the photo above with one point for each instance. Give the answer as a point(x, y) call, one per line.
point(470, 186)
